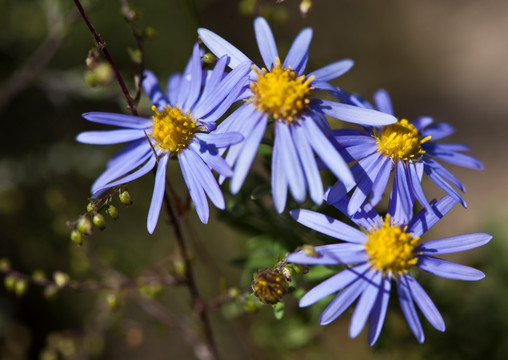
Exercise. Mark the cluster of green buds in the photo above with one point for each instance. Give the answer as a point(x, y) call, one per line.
point(99, 72)
point(13, 281)
point(84, 225)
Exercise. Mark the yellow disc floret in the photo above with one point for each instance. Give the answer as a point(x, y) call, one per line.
point(400, 141)
point(172, 130)
point(390, 248)
point(280, 92)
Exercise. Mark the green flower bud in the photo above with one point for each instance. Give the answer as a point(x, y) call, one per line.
point(61, 279)
point(99, 221)
point(179, 268)
point(209, 58)
point(112, 211)
point(309, 250)
point(300, 269)
point(150, 290)
point(150, 33)
point(38, 276)
point(5, 264)
point(77, 237)
point(20, 287)
point(90, 207)
point(305, 6)
point(250, 306)
point(10, 282)
point(50, 291)
point(125, 197)
point(112, 300)
point(234, 292)
point(84, 225)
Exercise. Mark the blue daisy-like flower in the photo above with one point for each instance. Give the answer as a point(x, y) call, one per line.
point(409, 148)
point(385, 249)
point(282, 92)
point(180, 127)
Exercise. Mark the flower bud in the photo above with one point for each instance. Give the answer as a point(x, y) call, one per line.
point(50, 291)
point(5, 264)
point(209, 58)
point(84, 225)
point(112, 300)
point(10, 282)
point(90, 207)
point(61, 279)
point(125, 197)
point(269, 286)
point(99, 221)
point(38, 276)
point(77, 237)
point(112, 211)
point(305, 6)
point(20, 287)
point(309, 250)
point(287, 273)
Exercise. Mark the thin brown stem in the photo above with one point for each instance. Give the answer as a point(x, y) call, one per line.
point(101, 45)
point(198, 304)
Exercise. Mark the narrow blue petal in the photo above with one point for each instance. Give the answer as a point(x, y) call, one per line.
point(449, 270)
point(128, 121)
point(298, 53)
point(422, 122)
point(377, 318)
point(364, 186)
point(204, 177)
point(153, 90)
point(173, 88)
point(196, 75)
point(366, 217)
point(438, 180)
point(248, 151)
point(213, 80)
point(438, 131)
point(158, 194)
point(425, 304)
point(401, 201)
point(266, 42)
point(350, 137)
point(443, 172)
point(323, 85)
point(220, 47)
point(309, 164)
point(333, 284)
point(335, 254)
point(108, 137)
point(344, 299)
point(415, 183)
point(196, 191)
point(212, 159)
point(290, 161)
point(383, 101)
point(453, 244)
point(408, 309)
point(220, 140)
point(327, 152)
point(335, 193)
point(365, 305)
point(328, 225)
point(434, 148)
point(332, 71)
point(148, 166)
point(452, 157)
point(360, 151)
point(382, 178)
point(278, 181)
point(232, 83)
point(424, 220)
point(242, 118)
point(355, 114)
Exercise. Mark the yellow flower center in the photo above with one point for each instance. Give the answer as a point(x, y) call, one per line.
point(390, 248)
point(172, 130)
point(280, 92)
point(400, 141)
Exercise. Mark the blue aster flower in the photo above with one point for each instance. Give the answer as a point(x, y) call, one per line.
point(180, 128)
point(282, 92)
point(408, 148)
point(385, 250)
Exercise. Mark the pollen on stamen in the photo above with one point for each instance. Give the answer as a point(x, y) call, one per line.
point(400, 141)
point(172, 130)
point(280, 92)
point(390, 248)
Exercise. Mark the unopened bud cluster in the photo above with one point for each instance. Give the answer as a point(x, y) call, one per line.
point(269, 285)
point(93, 217)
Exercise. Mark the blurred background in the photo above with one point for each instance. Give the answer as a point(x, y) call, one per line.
point(441, 58)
